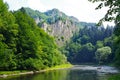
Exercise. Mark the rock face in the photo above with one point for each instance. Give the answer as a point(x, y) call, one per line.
point(56, 23)
point(61, 31)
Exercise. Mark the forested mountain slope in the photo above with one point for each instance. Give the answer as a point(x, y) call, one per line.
point(23, 45)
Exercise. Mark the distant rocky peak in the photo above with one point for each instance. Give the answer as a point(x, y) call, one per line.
point(54, 12)
point(74, 19)
point(51, 12)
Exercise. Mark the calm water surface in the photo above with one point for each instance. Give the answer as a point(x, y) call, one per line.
point(75, 73)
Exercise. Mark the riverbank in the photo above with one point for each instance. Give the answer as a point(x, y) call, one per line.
point(4, 74)
point(114, 77)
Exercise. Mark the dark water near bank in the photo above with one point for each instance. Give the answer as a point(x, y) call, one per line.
point(75, 73)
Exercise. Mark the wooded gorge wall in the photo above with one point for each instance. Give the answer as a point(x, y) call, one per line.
point(23, 45)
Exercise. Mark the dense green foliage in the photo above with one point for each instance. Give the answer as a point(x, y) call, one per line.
point(84, 44)
point(102, 54)
point(113, 13)
point(23, 45)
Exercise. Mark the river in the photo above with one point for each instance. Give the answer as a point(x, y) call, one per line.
point(78, 72)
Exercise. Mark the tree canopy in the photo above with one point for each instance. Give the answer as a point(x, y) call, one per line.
point(113, 13)
point(102, 54)
point(23, 45)
point(83, 45)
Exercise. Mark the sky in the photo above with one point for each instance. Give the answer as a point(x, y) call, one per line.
point(81, 9)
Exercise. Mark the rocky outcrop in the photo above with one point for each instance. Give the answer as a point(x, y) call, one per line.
point(56, 24)
point(62, 31)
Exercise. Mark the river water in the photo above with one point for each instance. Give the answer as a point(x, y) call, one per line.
point(78, 72)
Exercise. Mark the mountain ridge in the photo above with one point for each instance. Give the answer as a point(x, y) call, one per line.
point(56, 23)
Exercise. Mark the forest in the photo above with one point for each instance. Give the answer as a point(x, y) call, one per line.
point(93, 44)
point(25, 46)
point(112, 14)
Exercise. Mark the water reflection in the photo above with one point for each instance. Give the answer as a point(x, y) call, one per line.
point(82, 75)
point(65, 74)
point(52, 75)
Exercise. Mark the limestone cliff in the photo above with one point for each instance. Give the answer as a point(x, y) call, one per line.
point(56, 23)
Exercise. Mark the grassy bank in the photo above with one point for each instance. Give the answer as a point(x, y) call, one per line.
point(12, 72)
point(63, 66)
point(21, 72)
point(115, 77)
